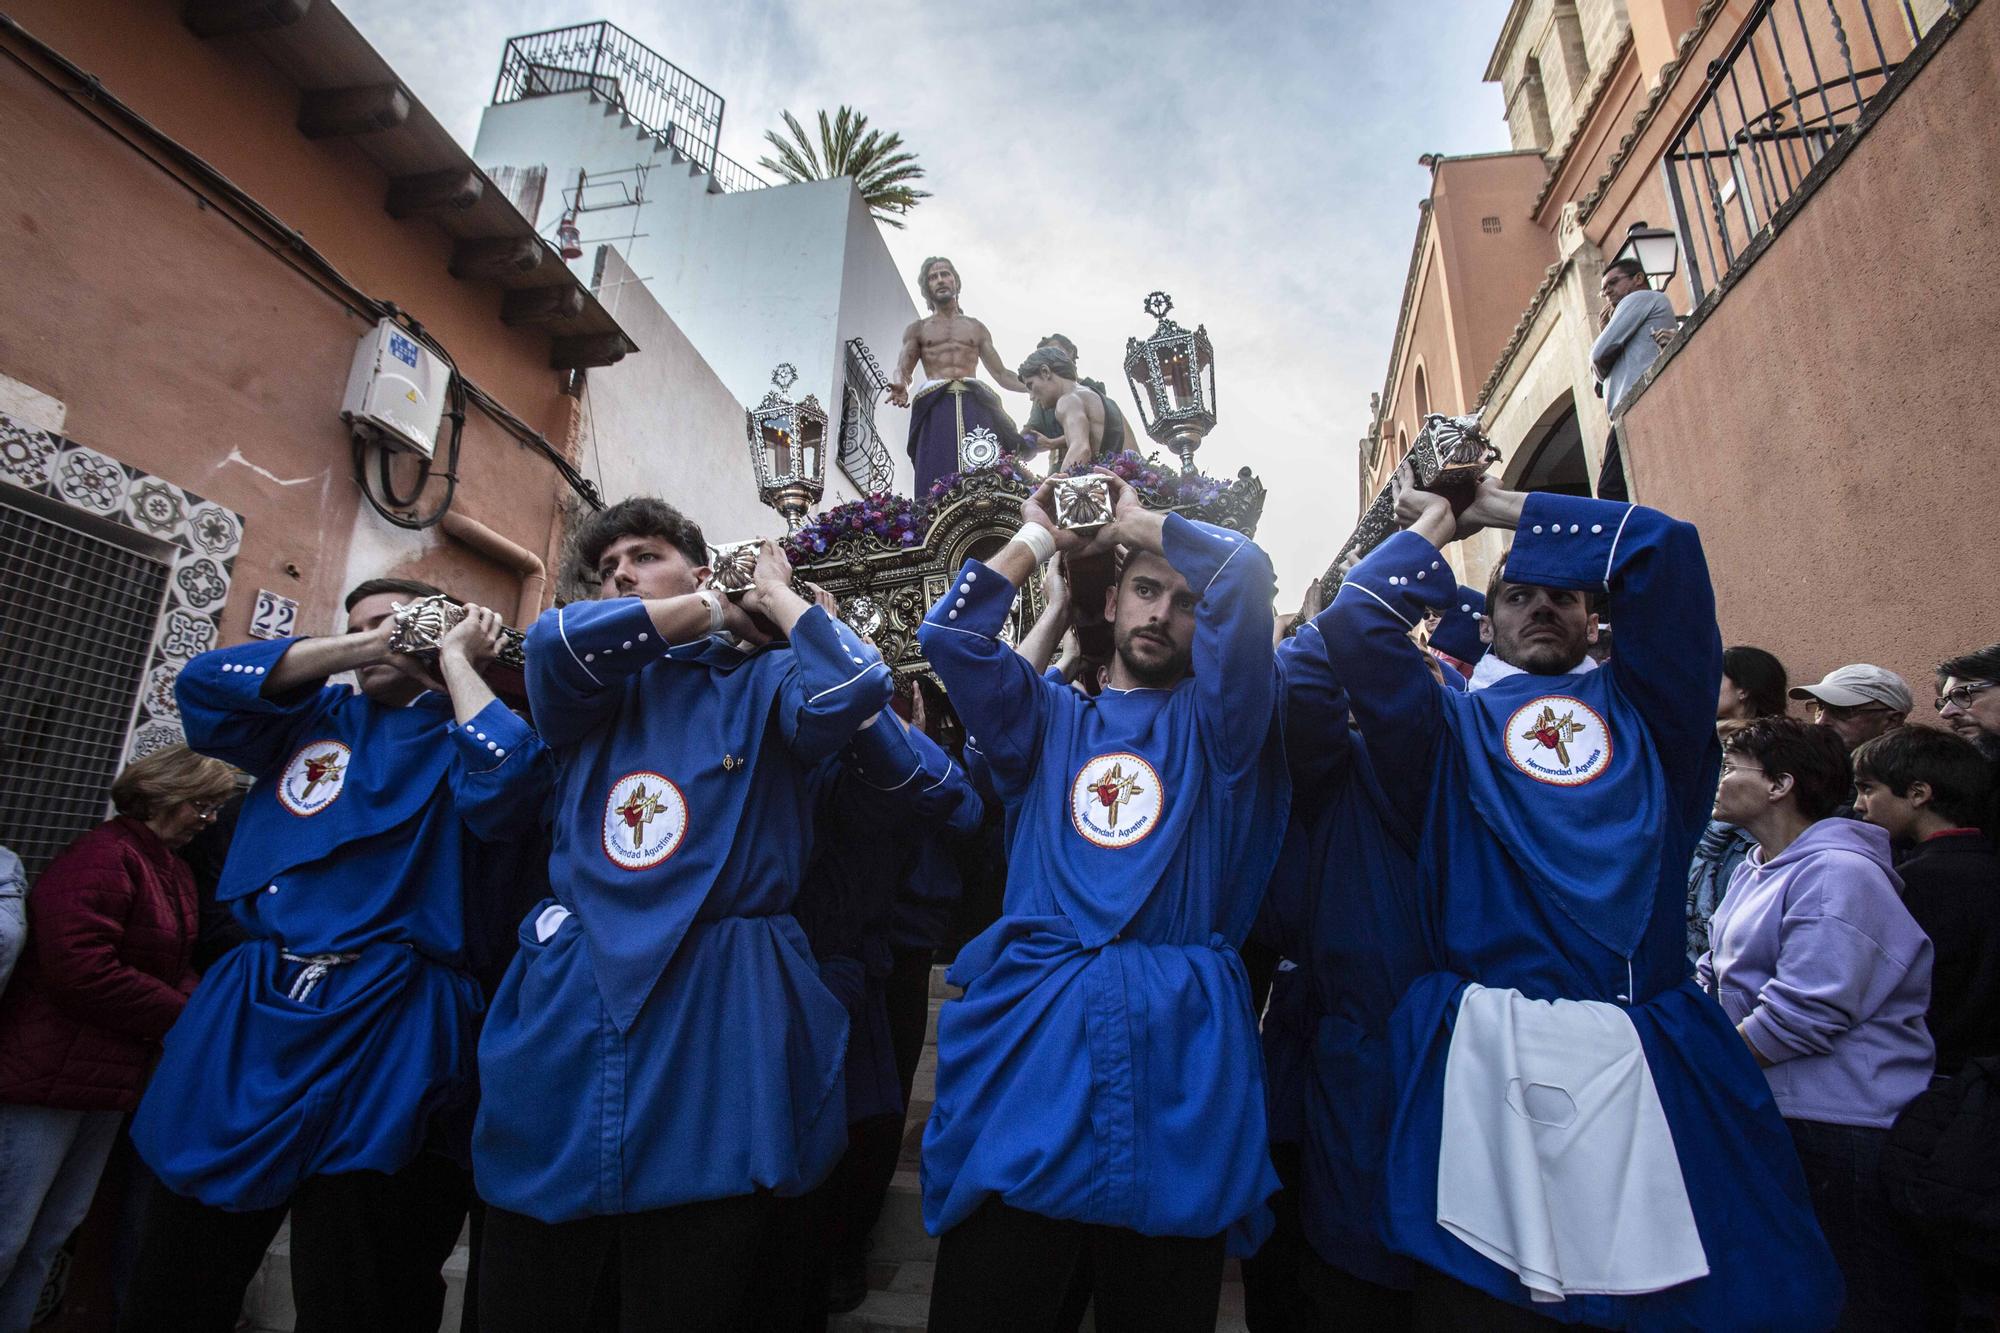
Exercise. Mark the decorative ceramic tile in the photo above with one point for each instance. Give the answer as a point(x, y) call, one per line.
point(216, 531)
point(209, 534)
point(153, 736)
point(25, 453)
point(200, 582)
point(157, 507)
point(89, 480)
point(183, 633)
point(158, 696)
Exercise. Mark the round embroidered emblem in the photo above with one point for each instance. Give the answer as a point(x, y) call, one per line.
point(645, 821)
point(314, 777)
point(1558, 740)
point(1115, 800)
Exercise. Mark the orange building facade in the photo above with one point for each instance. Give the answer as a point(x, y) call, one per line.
point(1824, 171)
point(209, 205)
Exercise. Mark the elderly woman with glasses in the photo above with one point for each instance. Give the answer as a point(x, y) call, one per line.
point(111, 931)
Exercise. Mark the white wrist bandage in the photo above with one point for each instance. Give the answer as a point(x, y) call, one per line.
point(1039, 540)
point(713, 601)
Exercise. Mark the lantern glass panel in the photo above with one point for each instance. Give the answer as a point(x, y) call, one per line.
point(1177, 370)
point(812, 439)
point(777, 446)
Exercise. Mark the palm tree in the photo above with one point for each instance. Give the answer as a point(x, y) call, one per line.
point(881, 169)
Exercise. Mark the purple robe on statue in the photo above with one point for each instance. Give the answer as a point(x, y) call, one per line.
point(942, 413)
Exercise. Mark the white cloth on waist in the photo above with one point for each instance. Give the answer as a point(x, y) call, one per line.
point(1556, 1161)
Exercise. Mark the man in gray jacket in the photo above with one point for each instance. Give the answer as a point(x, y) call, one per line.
point(1625, 349)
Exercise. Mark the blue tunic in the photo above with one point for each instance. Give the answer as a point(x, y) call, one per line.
point(879, 804)
point(1557, 815)
point(663, 1035)
point(358, 838)
point(1103, 1064)
point(1354, 919)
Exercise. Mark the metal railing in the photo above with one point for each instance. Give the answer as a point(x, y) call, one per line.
point(733, 176)
point(1790, 85)
point(863, 456)
point(663, 98)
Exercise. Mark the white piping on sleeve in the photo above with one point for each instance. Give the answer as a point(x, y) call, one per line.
point(1219, 568)
point(562, 630)
point(835, 689)
point(1385, 606)
point(1613, 557)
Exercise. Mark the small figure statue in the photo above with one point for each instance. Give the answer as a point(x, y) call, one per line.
point(1090, 425)
point(955, 421)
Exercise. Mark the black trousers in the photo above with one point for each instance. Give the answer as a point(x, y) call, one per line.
point(1443, 1304)
point(692, 1267)
point(1339, 1302)
point(1006, 1270)
point(1274, 1300)
point(368, 1251)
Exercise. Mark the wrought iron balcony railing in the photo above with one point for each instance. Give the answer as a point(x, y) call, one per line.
point(863, 456)
point(733, 176)
point(1787, 90)
point(662, 97)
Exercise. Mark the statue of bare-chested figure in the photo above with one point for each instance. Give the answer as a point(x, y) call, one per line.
point(956, 422)
point(1092, 427)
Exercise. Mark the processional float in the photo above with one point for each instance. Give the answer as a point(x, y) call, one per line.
point(886, 559)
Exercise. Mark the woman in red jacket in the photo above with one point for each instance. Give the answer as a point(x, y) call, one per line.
point(111, 930)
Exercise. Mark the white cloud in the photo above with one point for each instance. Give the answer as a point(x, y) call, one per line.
point(1258, 161)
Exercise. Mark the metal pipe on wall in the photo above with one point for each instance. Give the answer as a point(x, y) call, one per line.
point(476, 536)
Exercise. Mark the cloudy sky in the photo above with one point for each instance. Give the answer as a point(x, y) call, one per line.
point(1257, 160)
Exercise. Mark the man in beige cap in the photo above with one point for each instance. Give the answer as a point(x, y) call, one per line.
point(1858, 701)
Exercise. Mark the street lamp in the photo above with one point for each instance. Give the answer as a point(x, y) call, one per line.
point(788, 447)
point(1173, 381)
point(1657, 250)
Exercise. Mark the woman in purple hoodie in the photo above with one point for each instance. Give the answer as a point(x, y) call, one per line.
point(1826, 976)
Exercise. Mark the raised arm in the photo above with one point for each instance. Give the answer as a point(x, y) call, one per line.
point(1626, 319)
point(1000, 696)
point(913, 775)
point(838, 684)
point(228, 710)
point(1317, 744)
point(1659, 599)
point(1234, 673)
point(995, 367)
point(1038, 646)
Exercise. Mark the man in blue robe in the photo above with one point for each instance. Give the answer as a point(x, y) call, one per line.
point(1576, 1130)
point(880, 802)
point(1100, 1094)
point(314, 1062)
point(662, 1061)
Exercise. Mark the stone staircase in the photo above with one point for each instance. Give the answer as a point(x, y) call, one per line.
point(901, 1258)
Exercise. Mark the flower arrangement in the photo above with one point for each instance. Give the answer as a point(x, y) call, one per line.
point(892, 521)
point(889, 519)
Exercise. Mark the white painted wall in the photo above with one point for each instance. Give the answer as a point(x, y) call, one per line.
point(663, 423)
point(751, 279)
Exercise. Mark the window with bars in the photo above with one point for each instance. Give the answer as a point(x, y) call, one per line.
point(78, 610)
point(863, 456)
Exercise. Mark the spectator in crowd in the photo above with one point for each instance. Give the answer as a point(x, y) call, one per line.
point(1927, 790)
point(1624, 350)
point(1969, 703)
point(1858, 701)
point(1753, 685)
point(13, 913)
point(80, 1027)
point(1723, 847)
point(1826, 976)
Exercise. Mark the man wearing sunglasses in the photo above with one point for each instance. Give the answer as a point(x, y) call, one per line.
point(1858, 701)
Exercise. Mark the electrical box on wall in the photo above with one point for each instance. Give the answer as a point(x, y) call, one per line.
point(396, 389)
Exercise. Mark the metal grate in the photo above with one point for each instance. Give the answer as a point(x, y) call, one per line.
point(77, 615)
point(863, 456)
point(663, 98)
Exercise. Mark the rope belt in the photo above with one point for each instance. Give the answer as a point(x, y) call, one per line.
point(317, 966)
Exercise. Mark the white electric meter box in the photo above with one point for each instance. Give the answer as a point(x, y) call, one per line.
point(396, 390)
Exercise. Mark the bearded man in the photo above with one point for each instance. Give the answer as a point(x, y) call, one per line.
point(1576, 1129)
point(1100, 1095)
point(955, 421)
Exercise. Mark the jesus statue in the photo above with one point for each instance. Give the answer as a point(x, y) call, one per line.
point(956, 422)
